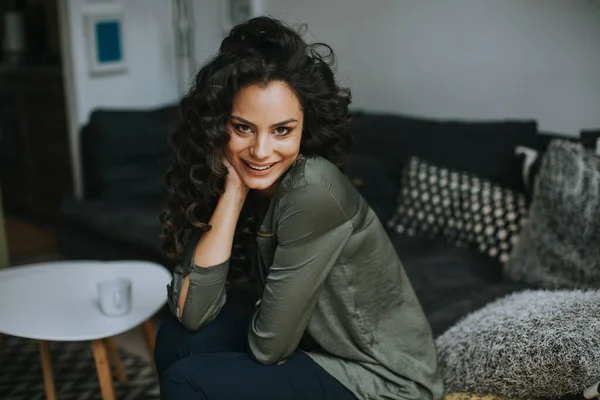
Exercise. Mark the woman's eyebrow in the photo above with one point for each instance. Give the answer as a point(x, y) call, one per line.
point(245, 121)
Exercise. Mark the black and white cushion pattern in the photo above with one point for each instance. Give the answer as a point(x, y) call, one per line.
point(492, 216)
point(459, 206)
point(428, 204)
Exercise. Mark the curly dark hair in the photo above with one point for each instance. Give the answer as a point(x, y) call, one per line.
point(258, 51)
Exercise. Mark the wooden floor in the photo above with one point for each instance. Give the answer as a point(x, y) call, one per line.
point(29, 242)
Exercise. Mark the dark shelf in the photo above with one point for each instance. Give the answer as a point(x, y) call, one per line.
point(35, 165)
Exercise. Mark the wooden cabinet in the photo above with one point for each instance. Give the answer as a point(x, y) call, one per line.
point(34, 146)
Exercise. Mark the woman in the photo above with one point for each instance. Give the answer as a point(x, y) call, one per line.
point(258, 155)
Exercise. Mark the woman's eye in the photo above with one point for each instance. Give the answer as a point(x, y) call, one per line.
point(282, 130)
point(243, 128)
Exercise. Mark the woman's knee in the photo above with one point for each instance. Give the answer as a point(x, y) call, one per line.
point(179, 381)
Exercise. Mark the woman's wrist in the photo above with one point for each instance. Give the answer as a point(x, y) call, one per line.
point(236, 196)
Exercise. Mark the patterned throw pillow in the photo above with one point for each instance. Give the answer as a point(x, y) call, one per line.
point(493, 216)
point(527, 345)
point(428, 203)
point(560, 245)
point(459, 206)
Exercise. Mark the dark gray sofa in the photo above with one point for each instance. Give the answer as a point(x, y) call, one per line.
point(124, 155)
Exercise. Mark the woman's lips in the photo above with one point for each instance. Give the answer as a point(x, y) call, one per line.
point(258, 169)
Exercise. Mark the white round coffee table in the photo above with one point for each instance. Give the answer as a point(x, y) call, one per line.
point(58, 301)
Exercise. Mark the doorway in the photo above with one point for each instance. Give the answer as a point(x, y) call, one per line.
point(35, 166)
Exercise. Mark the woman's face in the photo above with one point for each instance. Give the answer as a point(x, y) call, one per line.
point(266, 129)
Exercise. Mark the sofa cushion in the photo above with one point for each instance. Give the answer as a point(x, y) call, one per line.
point(590, 139)
point(558, 247)
point(532, 344)
point(530, 159)
point(491, 217)
point(450, 281)
point(460, 207)
point(483, 148)
point(375, 179)
point(428, 202)
point(123, 152)
point(134, 223)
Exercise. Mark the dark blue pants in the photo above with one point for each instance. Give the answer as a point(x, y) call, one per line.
point(214, 363)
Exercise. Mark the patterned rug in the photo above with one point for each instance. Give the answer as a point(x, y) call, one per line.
point(74, 373)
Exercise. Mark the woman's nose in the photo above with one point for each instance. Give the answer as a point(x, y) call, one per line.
point(262, 146)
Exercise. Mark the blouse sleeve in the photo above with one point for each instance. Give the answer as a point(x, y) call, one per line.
point(312, 230)
point(206, 293)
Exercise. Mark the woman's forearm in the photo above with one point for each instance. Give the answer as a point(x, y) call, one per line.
point(214, 247)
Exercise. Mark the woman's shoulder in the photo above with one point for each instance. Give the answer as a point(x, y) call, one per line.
point(313, 171)
point(318, 179)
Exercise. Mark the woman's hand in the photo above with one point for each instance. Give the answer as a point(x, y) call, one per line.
point(233, 182)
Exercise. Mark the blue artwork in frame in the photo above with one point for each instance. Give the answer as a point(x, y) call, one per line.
point(108, 41)
point(105, 43)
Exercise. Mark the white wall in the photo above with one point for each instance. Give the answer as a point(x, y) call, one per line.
point(210, 26)
point(473, 59)
point(148, 47)
point(208, 29)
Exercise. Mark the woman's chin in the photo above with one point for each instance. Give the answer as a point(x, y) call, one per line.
point(260, 185)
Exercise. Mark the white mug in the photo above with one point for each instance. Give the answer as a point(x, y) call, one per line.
point(114, 297)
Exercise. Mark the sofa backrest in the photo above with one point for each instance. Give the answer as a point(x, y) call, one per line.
point(124, 151)
point(484, 148)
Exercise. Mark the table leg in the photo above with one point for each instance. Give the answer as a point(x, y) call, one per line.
point(103, 369)
point(47, 370)
point(115, 359)
point(150, 337)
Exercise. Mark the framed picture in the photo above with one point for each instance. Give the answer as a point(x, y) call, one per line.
point(104, 41)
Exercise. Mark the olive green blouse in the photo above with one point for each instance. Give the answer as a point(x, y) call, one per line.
point(328, 269)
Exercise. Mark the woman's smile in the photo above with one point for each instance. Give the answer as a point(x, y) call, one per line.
point(259, 169)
